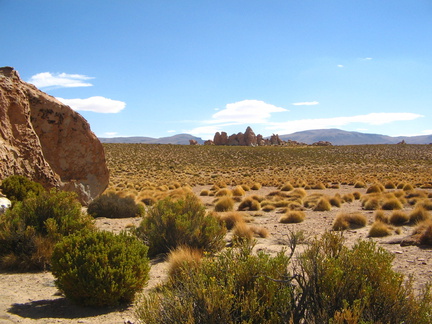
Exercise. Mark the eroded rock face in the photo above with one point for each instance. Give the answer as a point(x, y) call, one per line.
point(47, 141)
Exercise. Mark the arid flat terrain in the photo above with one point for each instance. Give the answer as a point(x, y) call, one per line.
point(33, 297)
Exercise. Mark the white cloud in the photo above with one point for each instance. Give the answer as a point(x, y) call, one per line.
point(60, 80)
point(110, 134)
point(340, 66)
point(96, 104)
point(171, 131)
point(306, 103)
point(205, 132)
point(367, 59)
point(369, 119)
point(246, 112)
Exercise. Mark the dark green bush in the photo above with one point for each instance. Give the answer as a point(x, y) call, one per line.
point(17, 188)
point(111, 205)
point(171, 223)
point(29, 230)
point(100, 268)
point(234, 287)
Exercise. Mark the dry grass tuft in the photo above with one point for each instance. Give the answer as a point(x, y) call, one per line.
point(256, 186)
point(205, 192)
point(380, 229)
point(392, 204)
point(224, 192)
point(224, 204)
point(345, 221)
point(231, 219)
point(183, 259)
point(336, 201)
point(375, 188)
point(418, 214)
point(398, 218)
point(238, 191)
point(260, 231)
point(242, 233)
point(292, 216)
point(381, 216)
point(287, 187)
point(249, 203)
point(323, 204)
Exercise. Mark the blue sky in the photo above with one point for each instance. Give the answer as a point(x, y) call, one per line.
point(163, 67)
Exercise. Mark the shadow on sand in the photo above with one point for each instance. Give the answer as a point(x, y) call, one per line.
point(58, 308)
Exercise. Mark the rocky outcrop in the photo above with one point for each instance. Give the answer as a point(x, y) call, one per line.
point(220, 138)
point(250, 139)
point(47, 141)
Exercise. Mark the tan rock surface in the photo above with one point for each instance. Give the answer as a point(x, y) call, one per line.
point(47, 141)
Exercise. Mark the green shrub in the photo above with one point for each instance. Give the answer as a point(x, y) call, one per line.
point(17, 187)
point(329, 283)
point(100, 268)
point(361, 278)
point(111, 205)
point(234, 287)
point(30, 229)
point(184, 222)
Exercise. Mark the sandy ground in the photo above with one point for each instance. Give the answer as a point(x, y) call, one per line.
point(33, 297)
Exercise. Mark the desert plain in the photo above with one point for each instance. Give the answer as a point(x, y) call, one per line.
point(151, 172)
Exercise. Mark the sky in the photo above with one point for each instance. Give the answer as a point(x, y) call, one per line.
point(158, 68)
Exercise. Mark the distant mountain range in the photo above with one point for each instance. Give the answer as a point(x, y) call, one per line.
point(341, 137)
point(334, 136)
point(182, 139)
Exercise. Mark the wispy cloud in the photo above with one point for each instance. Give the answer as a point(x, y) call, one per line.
point(96, 104)
point(110, 134)
point(60, 80)
point(368, 119)
point(246, 112)
point(171, 131)
point(367, 58)
point(340, 66)
point(306, 103)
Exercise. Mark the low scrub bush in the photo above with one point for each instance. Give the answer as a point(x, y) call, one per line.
point(359, 279)
point(111, 205)
point(184, 222)
point(30, 229)
point(18, 188)
point(100, 268)
point(329, 283)
point(234, 287)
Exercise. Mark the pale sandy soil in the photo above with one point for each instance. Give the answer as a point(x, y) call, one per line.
point(33, 297)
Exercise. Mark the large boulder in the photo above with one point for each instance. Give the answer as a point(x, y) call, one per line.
point(47, 141)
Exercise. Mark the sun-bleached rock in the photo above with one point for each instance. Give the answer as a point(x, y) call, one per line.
point(47, 141)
